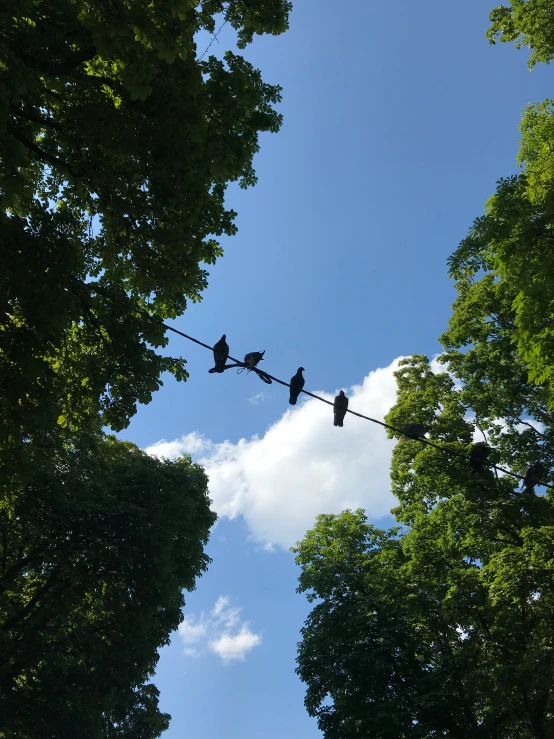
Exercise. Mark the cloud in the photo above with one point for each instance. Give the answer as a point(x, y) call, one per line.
point(192, 444)
point(223, 614)
point(191, 633)
point(302, 465)
point(259, 398)
point(222, 632)
point(235, 647)
point(220, 605)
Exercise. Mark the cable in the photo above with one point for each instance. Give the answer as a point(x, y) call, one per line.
point(216, 34)
point(443, 449)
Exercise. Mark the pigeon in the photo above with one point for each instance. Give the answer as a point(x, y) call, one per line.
point(221, 352)
point(253, 358)
point(340, 407)
point(478, 456)
point(296, 385)
point(414, 430)
point(533, 476)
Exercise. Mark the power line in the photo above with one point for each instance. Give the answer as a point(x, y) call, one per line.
point(427, 442)
point(216, 34)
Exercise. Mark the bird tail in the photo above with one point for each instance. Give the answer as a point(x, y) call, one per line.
point(292, 401)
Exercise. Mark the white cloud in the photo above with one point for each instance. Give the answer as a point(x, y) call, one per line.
point(235, 647)
point(302, 465)
point(191, 633)
point(222, 631)
point(221, 603)
point(222, 613)
point(190, 444)
point(259, 398)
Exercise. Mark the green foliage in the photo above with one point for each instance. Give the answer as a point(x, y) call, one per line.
point(530, 23)
point(94, 555)
point(443, 628)
point(115, 153)
point(248, 17)
point(117, 145)
point(512, 244)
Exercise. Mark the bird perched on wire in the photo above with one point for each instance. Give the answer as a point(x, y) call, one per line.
point(414, 430)
point(221, 352)
point(478, 456)
point(253, 358)
point(296, 385)
point(533, 476)
point(340, 406)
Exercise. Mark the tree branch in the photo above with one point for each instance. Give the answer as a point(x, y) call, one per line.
point(531, 427)
point(31, 115)
point(43, 155)
point(58, 69)
point(37, 597)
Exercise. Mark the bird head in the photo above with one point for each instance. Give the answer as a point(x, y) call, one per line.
point(341, 393)
point(224, 336)
point(301, 369)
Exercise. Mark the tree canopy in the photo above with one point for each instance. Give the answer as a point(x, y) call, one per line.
point(445, 630)
point(513, 239)
point(95, 552)
point(529, 23)
point(118, 139)
point(442, 626)
point(512, 244)
point(116, 148)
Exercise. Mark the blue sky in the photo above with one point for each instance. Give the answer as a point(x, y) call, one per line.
point(398, 120)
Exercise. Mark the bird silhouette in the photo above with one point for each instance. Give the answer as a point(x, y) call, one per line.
point(296, 385)
point(221, 352)
point(478, 456)
point(253, 358)
point(414, 430)
point(340, 406)
point(533, 476)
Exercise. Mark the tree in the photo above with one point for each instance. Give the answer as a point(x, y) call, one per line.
point(512, 244)
point(445, 630)
point(94, 555)
point(116, 148)
point(443, 627)
point(530, 23)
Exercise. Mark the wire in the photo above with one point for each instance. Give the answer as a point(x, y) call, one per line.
point(355, 413)
point(216, 34)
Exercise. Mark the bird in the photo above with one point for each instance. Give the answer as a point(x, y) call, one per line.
point(533, 476)
point(340, 406)
point(253, 358)
point(221, 352)
point(296, 385)
point(414, 430)
point(478, 456)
